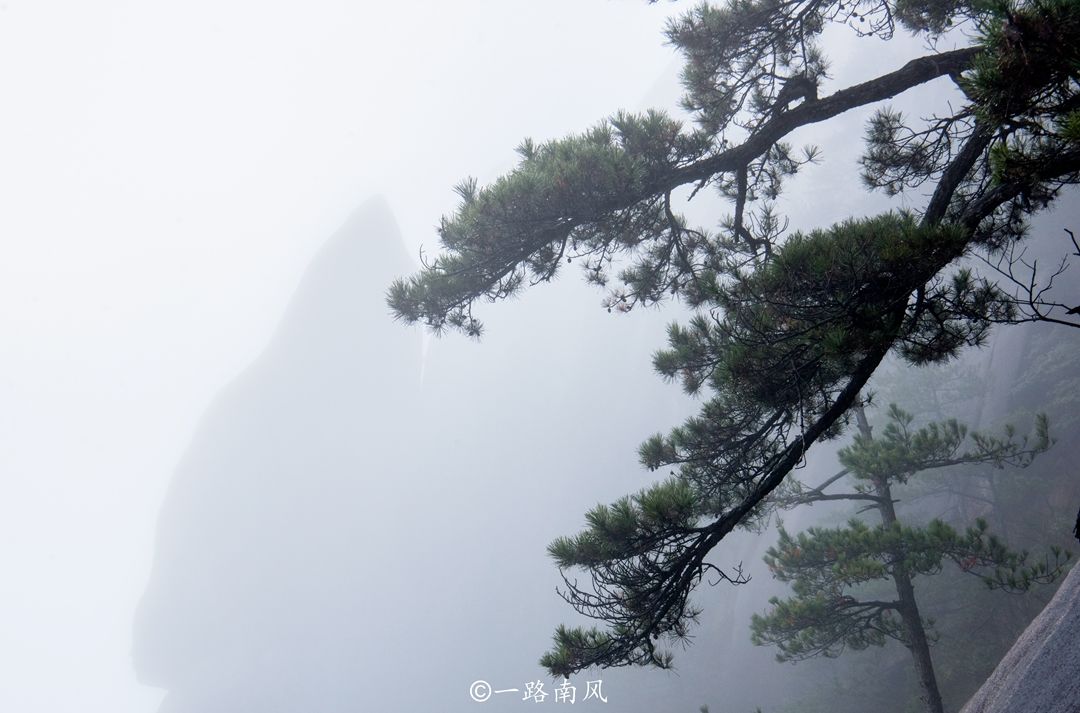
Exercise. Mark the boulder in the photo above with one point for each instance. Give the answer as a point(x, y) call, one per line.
point(1041, 672)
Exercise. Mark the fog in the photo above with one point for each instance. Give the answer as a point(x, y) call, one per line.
point(229, 481)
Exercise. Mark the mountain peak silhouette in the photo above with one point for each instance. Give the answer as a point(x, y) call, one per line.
point(258, 574)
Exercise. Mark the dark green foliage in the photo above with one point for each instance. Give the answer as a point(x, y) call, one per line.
point(840, 577)
point(826, 566)
point(933, 17)
point(613, 529)
point(1032, 509)
point(1032, 63)
point(898, 451)
point(897, 158)
point(787, 328)
point(517, 230)
point(742, 52)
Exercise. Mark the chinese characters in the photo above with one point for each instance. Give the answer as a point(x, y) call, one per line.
point(566, 693)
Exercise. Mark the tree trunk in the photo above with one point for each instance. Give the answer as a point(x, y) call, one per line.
point(917, 642)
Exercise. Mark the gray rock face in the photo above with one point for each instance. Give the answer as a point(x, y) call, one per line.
point(1041, 673)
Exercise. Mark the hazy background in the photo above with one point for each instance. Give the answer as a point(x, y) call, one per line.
point(169, 171)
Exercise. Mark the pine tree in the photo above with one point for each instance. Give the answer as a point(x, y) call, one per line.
point(835, 573)
point(788, 328)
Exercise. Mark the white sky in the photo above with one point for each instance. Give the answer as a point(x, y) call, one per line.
point(166, 171)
